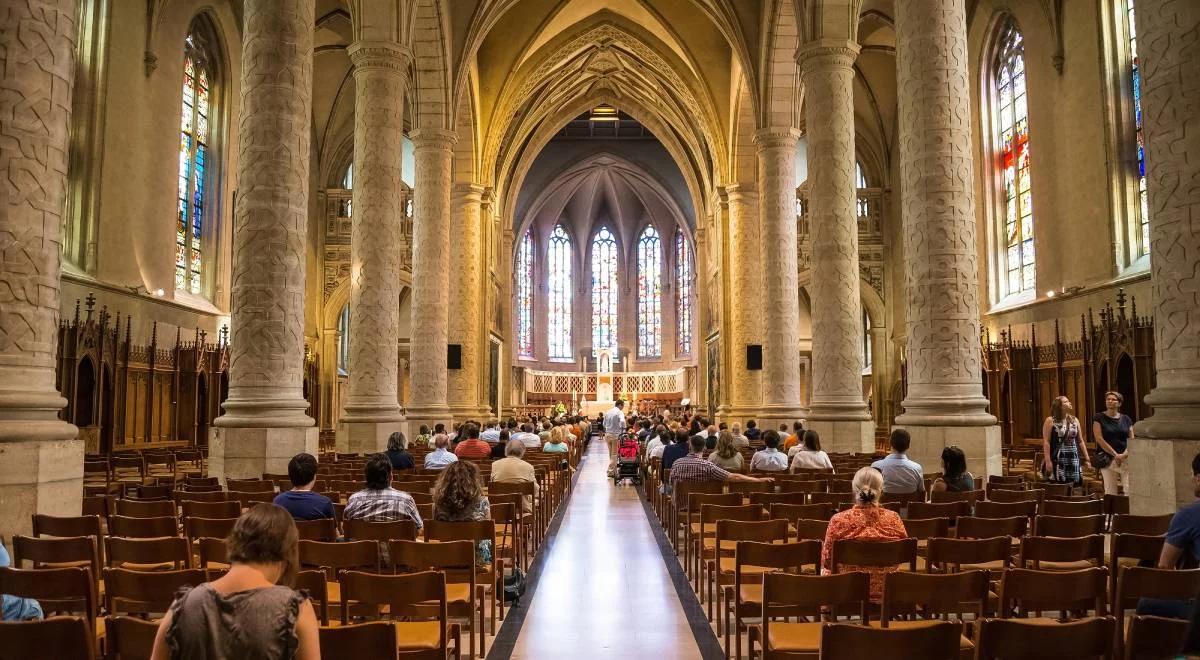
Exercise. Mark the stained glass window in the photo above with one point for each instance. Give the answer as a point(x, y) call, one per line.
point(348, 183)
point(683, 295)
point(649, 279)
point(192, 184)
point(525, 296)
point(1011, 118)
point(558, 328)
point(605, 294)
point(1143, 208)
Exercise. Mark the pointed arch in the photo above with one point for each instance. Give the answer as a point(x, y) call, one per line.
point(559, 289)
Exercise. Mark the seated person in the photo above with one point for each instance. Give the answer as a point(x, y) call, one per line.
point(752, 430)
point(676, 450)
point(470, 446)
point(810, 456)
point(301, 501)
point(794, 440)
point(397, 452)
point(441, 456)
point(514, 468)
point(556, 444)
point(458, 497)
point(769, 459)
point(900, 475)
point(955, 477)
point(739, 440)
point(13, 608)
point(1180, 550)
point(379, 502)
point(726, 456)
point(693, 468)
point(865, 521)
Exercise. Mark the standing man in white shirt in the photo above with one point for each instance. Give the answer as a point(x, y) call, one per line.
point(614, 426)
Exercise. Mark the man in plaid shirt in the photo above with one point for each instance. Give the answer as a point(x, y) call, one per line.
point(379, 502)
point(694, 468)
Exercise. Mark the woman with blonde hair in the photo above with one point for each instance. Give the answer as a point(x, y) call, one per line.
point(458, 497)
point(726, 455)
point(557, 443)
point(865, 521)
point(251, 611)
point(1062, 444)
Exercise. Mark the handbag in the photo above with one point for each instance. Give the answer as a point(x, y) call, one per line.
point(514, 587)
point(1101, 459)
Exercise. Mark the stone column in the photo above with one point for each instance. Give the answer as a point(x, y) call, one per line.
point(744, 267)
point(431, 275)
point(466, 299)
point(41, 459)
point(265, 422)
point(781, 315)
point(1161, 456)
point(372, 410)
point(838, 411)
point(945, 403)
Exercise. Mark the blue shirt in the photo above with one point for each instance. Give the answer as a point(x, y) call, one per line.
point(439, 458)
point(305, 504)
point(673, 453)
point(13, 608)
point(900, 475)
point(1184, 532)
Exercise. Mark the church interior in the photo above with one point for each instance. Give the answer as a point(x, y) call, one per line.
point(236, 231)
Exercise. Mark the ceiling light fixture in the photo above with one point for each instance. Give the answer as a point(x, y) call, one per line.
point(603, 112)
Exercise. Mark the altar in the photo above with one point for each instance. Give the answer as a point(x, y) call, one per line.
point(604, 385)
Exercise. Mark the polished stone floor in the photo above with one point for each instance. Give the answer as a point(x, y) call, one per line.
point(605, 591)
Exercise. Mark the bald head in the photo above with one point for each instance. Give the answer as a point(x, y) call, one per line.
point(515, 448)
point(441, 441)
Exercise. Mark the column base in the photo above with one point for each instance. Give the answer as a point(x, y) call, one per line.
point(771, 416)
point(981, 444)
point(247, 453)
point(1160, 475)
point(39, 476)
point(845, 436)
point(365, 437)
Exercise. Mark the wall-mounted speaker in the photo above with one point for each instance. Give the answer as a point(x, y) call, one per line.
point(754, 357)
point(454, 356)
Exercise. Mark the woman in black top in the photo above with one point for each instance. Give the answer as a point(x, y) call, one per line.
point(397, 452)
point(955, 477)
point(1112, 432)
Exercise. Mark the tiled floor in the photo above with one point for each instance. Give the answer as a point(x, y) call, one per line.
point(604, 591)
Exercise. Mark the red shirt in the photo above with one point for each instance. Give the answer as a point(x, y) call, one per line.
point(473, 449)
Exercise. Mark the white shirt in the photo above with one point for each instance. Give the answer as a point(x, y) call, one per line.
point(491, 435)
point(614, 421)
point(769, 460)
point(654, 444)
point(740, 440)
point(530, 440)
point(811, 460)
point(439, 458)
point(657, 452)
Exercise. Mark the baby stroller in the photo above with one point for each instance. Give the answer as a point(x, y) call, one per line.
point(629, 466)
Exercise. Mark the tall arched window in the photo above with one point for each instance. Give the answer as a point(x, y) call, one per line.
point(605, 294)
point(343, 341)
point(195, 157)
point(558, 263)
point(1135, 78)
point(649, 322)
point(348, 184)
point(683, 295)
point(525, 295)
point(868, 358)
point(1010, 117)
point(860, 182)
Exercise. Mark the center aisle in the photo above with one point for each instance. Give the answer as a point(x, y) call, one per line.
point(604, 591)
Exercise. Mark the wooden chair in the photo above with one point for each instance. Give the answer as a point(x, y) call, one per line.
point(973, 527)
point(876, 554)
point(679, 506)
point(64, 526)
point(250, 485)
point(166, 553)
point(129, 638)
point(719, 569)
point(1055, 490)
point(1154, 637)
point(363, 530)
point(56, 637)
point(1073, 509)
point(142, 528)
point(1005, 495)
point(811, 530)
point(837, 500)
point(128, 470)
point(693, 526)
point(794, 486)
point(744, 598)
point(213, 556)
point(793, 512)
point(98, 505)
point(1014, 638)
point(949, 510)
point(218, 528)
point(937, 640)
point(150, 491)
point(817, 596)
point(145, 508)
point(203, 496)
point(911, 600)
point(1012, 480)
point(1136, 582)
point(145, 592)
point(323, 529)
point(1024, 591)
point(1068, 526)
point(336, 558)
point(704, 547)
point(412, 596)
point(765, 500)
point(456, 560)
point(1047, 553)
point(1123, 523)
point(59, 552)
point(994, 509)
point(1132, 550)
point(968, 496)
point(248, 499)
point(903, 499)
point(488, 577)
point(313, 583)
point(374, 640)
point(944, 555)
point(223, 509)
point(57, 590)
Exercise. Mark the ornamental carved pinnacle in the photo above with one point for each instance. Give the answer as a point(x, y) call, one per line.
point(379, 55)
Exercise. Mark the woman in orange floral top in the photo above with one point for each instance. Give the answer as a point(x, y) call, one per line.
point(866, 521)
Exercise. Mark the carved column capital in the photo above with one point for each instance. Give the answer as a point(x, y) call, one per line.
point(827, 54)
point(434, 138)
point(777, 137)
point(741, 193)
point(367, 56)
point(466, 193)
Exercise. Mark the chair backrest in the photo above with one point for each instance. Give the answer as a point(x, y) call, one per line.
point(1135, 582)
point(101, 504)
point(854, 552)
point(1038, 591)
point(711, 513)
point(903, 499)
point(223, 509)
point(159, 492)
point(314, 583)
point(968, 496)
point(961, 593)
point(791, 512)
point(997, 509)
point(785, 557)
point(129, 638)
point(1073, 509)
point(1006, 495)
point(817, 595)
point(145, 509)
point(1123, 523)
point(1116, 504)
point(765, 500)
point(70, 589)
point(949, 510)
point(203, 495)
point(948, 555)
point(815, 530)
point(845, 641)
point(974, 527)
point(44, 525)
point(696, 501)
point(926, 528)
point(56, 637)
point(373, 640)
point(142, 528)
point(476, 530)
point(196, 527)
point(211, 550)
point(78, 550)
point(403, 595)
point(145, 592)
point(794, 486)
point(456, 559)
point(763, 531)
point(147, 554)
point(1154, 637)
point(251, 485)
point(322, 529)
point(1013, 638)
point(1037, 549)
point(336, 557)
point(250, 498)
point(1069, 526)
point(362, 530)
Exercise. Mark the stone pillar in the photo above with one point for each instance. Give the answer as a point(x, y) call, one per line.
point(466, 299)
point(372, 410)
point(781, 314)
point(41, 459)
point(1161, 456)
point(744, 270)
point(265, 422)
point(838, 411)
point(945, 403)
point(431, 275)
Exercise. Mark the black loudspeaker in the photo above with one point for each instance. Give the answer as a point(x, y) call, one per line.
point(754, 357)
point(454, 356)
